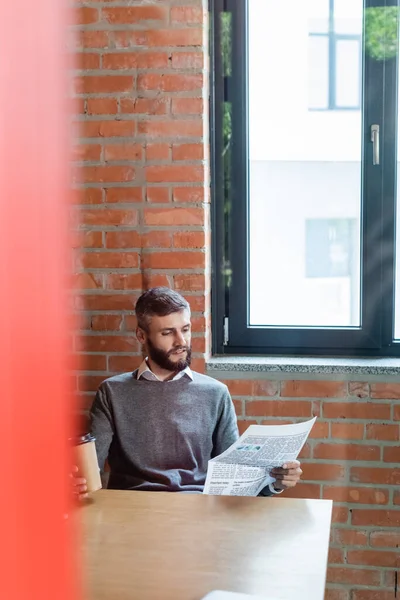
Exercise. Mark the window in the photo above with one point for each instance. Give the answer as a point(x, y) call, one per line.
point(334, 54)
point(305, 201)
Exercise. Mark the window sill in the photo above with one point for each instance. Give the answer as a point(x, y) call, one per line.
point(284, 367)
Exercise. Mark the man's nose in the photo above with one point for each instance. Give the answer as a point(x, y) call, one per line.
point(180, 339)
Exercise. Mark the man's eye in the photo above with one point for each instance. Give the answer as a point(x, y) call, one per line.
point(166, 333)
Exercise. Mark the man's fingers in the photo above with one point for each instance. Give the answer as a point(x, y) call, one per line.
point(283, 472)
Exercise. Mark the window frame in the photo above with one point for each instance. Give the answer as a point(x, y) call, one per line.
point(231, 332)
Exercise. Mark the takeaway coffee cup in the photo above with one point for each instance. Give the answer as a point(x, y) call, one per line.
point(86, 461)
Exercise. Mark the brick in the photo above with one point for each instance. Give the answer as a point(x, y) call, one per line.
point(124, 281)
point(157, 195)
point(88, 239)
point(168, 83)
point(239, 387)
point(124, 195)
point(187, 14)
point(156, 239)
point(189, 282)
point(335, 555)
point(191, 36)
point(385, 390)
point(106, 174)
point(86, 61)
point(199, 324)
point(173, 129)
point(106, 322)
point(123, 239)
point(356, 495)
point(92, 362)
point(356, 410)
point(92, 39)
point(106, 302)
point(188, 194)
point(187, 60)
point(304, 490)
point(347, 452)
point(372, 595)
point(375, 517)
point(105, 216)
point(155, 280)
point(173, 216)
point(313, 389)
point(157, 151)
point(322, 472)
point(264, 387)
point(130, 322)
point(147, 106)
point(382, 432)
point(340, 514)
point(86, 152)
point(336, 594)
point(396, 412)
point(90, 383)
point(353, 576)
point(243, 425)
point(123, 364)
point(139, 60)
point(189, 239)
point(131, 152)
point(320, 430)
point(85, 15)
point(350, 537)
point(108, 260)
point(359, 389)
point(109, 343)
point(173, 260)
point(347, 431)
point(187, 106)
point(375, 475)
point(107, 129)
point(102, 106)
point(278, 408)
point(103, 84)
point(385, 539)
point(174, 173)
point(396, 498)
point(187, 152)
point(90, 196)
point(391, 454)
point(375, 558)
point(134, 14)
point(87, 281)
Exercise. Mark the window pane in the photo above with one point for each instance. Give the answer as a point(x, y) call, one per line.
point(348, 16)
point(348, 74)
point(318, 74)
point(318, 15)
point(304, 181)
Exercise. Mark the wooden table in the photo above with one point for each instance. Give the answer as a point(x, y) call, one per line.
point(166, 546)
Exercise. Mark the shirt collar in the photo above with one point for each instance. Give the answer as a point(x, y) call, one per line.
point(144, 372)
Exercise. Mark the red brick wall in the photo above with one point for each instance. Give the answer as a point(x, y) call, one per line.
point(352, 458)
point(142, 219)
point(142, 156)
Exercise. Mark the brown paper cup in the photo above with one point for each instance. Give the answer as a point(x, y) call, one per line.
point(86, 461)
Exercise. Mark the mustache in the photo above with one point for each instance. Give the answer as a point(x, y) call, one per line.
point(176, 349)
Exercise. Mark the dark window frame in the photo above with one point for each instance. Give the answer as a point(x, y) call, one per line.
point(230, 214)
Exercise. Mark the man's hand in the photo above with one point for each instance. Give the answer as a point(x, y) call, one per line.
point(287, 476)
point(78, 485)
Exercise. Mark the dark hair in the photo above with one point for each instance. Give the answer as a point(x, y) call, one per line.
point(160, 301)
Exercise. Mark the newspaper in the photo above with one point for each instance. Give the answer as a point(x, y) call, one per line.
point(244, 468)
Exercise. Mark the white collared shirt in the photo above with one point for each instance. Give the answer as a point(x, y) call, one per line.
point(144, 372)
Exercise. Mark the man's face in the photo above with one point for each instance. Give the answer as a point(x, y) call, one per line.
point(168, 340)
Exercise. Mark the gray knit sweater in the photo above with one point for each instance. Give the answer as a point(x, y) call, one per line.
point(159, 436)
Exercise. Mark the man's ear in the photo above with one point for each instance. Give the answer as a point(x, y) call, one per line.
point(140, 335)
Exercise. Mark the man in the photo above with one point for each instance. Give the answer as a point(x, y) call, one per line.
point(159, 426)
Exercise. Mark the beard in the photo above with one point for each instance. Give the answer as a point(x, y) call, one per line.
point(161, 357)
